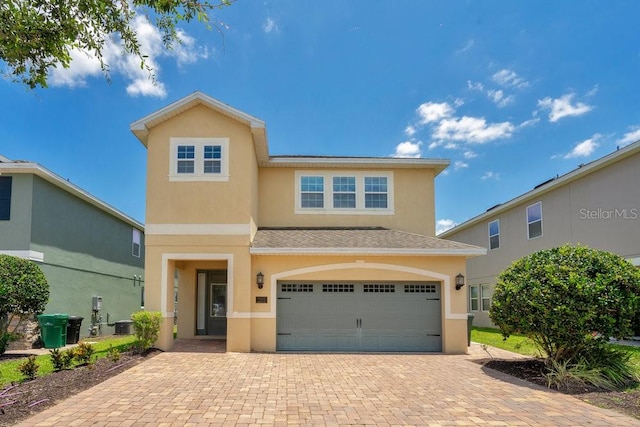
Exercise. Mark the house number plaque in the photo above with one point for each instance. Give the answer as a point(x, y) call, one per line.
point(261, 300)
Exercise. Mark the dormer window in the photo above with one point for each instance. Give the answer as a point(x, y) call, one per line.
point(199, 159)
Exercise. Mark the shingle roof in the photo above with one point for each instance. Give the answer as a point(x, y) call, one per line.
point(354, 240)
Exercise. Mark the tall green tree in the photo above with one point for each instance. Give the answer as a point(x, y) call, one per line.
point(24, 291)
point(36, 35)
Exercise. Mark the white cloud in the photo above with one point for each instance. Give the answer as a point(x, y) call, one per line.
point(490, 175)
point(509, 78)
point(475, 86)
point(433, 145)
point(469, 154)
point(529, 122)
point(84, 65)
point(632, 136)
point(584, 148)
point(443, 225)
point(459, 164)
point(432, 112)
point(498, 98)
point(469, 45)
point(408, 149)
point(451, 146)
point(410, 130)
point(562, 107)
point(472, 130)
point(269, 25)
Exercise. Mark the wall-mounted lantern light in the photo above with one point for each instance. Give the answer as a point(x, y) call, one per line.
point(459, 281)
point(260, 280)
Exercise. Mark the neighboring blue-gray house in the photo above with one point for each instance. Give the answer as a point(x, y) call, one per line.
point(85, 247)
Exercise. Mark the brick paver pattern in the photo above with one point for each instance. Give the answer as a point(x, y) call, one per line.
point(202, 389)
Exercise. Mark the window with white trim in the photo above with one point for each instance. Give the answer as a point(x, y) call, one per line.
point(494, 234)
point(348, 192)
point(375, 192)
point(199, 159)
point(534, 220)
point(135, 243)
point(486, 292)
point(473, 297)
point(312, 192)
point(344, 192)
point(5, 198)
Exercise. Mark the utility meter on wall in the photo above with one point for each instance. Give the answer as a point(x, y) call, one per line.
point(97, 303)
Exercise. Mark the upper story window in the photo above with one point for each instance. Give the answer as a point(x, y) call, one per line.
point(534, 220)
point(375, 192)
point(345, 193)
point(494, 234)
point(199, 159)
point(5, 198)
point(135, 243)
point(312, 192)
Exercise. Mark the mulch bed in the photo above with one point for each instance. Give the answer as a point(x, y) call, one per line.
point(532, 370)
point(21, 400)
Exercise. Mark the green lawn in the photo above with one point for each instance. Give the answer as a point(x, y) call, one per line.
point(523, 345)
point(9, 368)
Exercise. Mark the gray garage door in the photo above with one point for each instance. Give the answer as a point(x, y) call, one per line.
point(355, 316)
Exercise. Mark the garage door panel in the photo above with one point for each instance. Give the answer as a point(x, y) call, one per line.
point(401, 316)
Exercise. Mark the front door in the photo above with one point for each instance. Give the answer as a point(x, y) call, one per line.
point(212, 303)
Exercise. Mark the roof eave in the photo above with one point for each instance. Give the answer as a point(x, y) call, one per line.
point(47, 175)
point(470, 252)
point(567, 178)
point(381, 162)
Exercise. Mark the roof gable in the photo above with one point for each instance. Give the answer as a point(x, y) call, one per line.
point(141, 127)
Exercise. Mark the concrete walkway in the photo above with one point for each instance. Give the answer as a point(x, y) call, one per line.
point(197, 385)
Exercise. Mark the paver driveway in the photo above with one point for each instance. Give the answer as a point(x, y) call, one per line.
point(189, 388)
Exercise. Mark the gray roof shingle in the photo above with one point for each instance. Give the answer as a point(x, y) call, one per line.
point(352, 240)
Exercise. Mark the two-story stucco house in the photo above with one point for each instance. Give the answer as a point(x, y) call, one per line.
point(293, 252)
point(85, 247)
point(597, 204)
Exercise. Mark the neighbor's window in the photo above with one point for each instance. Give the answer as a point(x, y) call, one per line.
point(312, 192)
point(344, 192)
point(375, 192)
point(494, 234)
point(487, 293)
point(199, 159)
point(534, 220)
point(5, 198)
point(135, 245)
point(473, 297)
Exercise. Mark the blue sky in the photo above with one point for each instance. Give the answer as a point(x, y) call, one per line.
point(512, 93)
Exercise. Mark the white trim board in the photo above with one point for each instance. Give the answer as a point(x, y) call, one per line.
point(198, 229)
point(26, 254)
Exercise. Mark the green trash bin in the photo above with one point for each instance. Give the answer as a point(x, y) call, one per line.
point(53, 329)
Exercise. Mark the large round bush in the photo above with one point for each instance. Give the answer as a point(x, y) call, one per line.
point(564, 298)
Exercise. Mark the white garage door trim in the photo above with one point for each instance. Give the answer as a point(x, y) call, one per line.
point(446, 281)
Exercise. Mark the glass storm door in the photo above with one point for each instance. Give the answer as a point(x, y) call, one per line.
point(211, 318)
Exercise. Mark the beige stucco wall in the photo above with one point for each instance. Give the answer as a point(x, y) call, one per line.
point(413, 202)
point(564, 211)
point(206, 202)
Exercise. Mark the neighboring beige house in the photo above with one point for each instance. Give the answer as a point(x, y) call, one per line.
point(597, 204)
point(293, 252)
